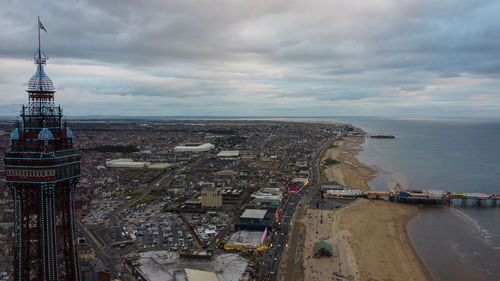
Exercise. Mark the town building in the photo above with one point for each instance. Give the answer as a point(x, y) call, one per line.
point(211, 197)
point(228, 154)
point(247, 240)
point(256, 219)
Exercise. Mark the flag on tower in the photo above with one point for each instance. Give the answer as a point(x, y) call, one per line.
point(40, 25)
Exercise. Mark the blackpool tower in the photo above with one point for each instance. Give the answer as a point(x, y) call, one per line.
point(42, 170)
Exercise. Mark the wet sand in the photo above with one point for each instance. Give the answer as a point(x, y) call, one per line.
point(368, 238)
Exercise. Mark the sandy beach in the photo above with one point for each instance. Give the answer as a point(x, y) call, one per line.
point(350, 172)
point(375, 231)
point(368, 238)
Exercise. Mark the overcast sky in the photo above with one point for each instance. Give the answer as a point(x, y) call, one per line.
point(400, 58)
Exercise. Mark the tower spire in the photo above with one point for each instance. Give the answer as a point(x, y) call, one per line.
point(41, 56)
point(40, 82)
point(39, 42)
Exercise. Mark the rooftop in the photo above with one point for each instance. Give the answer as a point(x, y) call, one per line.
point(40, 81)
point(322, 245)
point(229, 153)
point(200, 275)
point(168, 266)
point(254, 214)
point(246, 238)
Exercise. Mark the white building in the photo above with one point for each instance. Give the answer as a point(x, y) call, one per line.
point(194, 147)
point(125, 163)
point(228, 154)
point(129, 163)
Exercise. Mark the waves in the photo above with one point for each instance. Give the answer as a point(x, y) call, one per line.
point(478, 231)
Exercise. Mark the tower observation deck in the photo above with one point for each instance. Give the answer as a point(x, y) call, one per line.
point(42, 170)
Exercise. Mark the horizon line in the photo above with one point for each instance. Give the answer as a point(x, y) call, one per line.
point(113, 116)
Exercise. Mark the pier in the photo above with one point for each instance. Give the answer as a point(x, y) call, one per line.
point(412, 196)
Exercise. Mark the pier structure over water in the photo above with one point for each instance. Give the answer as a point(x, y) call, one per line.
point(411, 196)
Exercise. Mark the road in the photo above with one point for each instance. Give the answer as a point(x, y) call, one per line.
point(288, 265)
point(109, 262)
point(148, 189)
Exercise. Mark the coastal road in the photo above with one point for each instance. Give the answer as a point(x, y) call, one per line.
point(289, 263)
point(272, 263)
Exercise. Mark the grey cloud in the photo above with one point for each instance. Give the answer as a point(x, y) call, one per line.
point(323, 51)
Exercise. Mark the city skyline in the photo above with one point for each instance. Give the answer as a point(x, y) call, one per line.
point(285, 58)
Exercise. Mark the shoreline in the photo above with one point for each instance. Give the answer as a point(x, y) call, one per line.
point(350, 171)
point(419, 259)
point(361, 248)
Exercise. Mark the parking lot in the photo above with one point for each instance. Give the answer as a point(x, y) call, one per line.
point(97, 211)
point(151, 227)
point(208, 225)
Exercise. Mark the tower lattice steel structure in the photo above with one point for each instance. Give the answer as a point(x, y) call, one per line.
point(42, 169)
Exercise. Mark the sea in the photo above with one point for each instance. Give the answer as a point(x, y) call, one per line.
point(457, 242)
